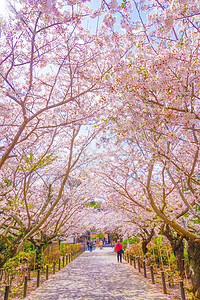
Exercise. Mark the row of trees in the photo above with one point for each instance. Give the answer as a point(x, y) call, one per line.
point(152, 173)
point(49, 78)
point(53, 82)
point(75, 76)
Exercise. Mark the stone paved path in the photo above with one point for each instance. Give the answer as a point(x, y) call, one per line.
point(97, 276)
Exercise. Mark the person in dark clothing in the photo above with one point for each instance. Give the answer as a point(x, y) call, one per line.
point(88, 245)
point(91, 245)
point(118, 249)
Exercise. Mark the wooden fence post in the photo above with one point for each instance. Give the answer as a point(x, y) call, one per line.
point(152, 275)
point(47, 272)
point(25, 286)
point(163, 282)
point(38, 277)
point(6, 292)
point(182, 291)
point(134, 262)
point(54, 267)
point(144, 267)
point(63, 259)
point(138, 260)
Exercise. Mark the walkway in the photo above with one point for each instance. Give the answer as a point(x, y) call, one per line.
point(97, 276)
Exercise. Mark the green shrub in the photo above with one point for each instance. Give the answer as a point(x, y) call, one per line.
point(133, 240)
point(124, 244)
point(100, 235)
point(157, 240)
point(66, 248)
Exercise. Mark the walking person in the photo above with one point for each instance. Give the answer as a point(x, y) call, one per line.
point(91, 245)
point(119, 250)
point(101, 244)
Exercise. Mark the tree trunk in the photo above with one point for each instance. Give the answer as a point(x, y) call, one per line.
point(179, 254)
point(38, 250)
point(146, 239)
point(176, 242)
point(144, 246)
point(194, 265)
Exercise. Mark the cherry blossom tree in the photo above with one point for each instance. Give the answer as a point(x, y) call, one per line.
point(124, 194)
point(70, 216)
point(51, 71)
point(157, 110)
point(137, 73)
point(41, 190)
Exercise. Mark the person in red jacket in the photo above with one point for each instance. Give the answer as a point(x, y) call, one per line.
point(118, 249)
